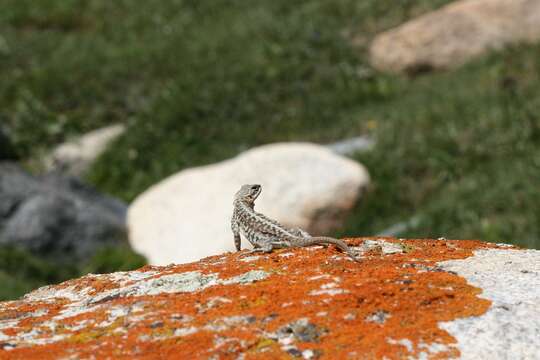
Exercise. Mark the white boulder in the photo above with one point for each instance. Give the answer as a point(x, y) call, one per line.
point(187, 216)
point(456, 33)
point(75, 157)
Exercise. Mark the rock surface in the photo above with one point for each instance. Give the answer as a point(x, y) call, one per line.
point(187, 216)
point(510, 279)
point(407, 299)
point(56, 216)
point(76, 157)
point(452, 35)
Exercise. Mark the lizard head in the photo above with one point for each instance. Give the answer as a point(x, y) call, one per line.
point(248, 192)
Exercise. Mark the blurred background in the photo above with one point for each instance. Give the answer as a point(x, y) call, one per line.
point(99, 100)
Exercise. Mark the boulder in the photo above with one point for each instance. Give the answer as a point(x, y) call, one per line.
point(75, 157)
point(456, 33)
point(407, 299)
point(187, 216)
point(351, 146)
point(56, 216)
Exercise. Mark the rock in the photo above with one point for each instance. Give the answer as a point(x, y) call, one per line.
point(56, 216)
point(76, 157)
point(7, 150)
point(456, 33)
point(402, 226)
point(352, 146)
point(440, 299)
point(510, 279)
point(187, 216)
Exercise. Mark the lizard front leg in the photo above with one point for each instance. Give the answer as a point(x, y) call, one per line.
point(237, 242)
point(236, 234)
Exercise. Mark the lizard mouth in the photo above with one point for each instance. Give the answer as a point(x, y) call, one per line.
point(255, 191)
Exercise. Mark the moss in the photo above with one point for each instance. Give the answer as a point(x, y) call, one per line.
point(264, 343)
point(85, 336)
point(407, 248)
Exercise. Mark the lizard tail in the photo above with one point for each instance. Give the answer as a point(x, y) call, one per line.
point(318, 240)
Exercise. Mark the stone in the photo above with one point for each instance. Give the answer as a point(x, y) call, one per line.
point(456, 33)
point(55, 216)
point(441, 299)
point(348, 147)
point(510, 279)
point(187, 216)
point(77, 156)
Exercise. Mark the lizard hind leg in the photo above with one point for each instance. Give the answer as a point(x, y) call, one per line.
point(265, 248)
point(264, 243)
point(257, 248)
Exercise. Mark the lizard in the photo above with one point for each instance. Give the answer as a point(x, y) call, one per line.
point(266, 234)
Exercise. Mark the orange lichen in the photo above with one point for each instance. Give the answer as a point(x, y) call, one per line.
point(386, 306)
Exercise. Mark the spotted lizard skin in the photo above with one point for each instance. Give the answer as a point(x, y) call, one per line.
point(266, 234)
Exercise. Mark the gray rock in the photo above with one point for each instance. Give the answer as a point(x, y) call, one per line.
point(302, 330)
point(401, 227)
point(456, 33)
point(379, 317)
point(510, 329)
point(56, 216)
point(352, 146)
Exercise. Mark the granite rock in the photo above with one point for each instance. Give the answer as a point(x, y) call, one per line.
point(424, 299)
point(456, 33)
point(56, 216)
point(75, 157)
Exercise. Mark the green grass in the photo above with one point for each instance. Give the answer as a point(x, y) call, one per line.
point(462, 151)
point(196, 81)
point(200, 81)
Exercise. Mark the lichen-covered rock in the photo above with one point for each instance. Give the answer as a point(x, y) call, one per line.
point(452, 35)
point(407, 299)
point(187, 216)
